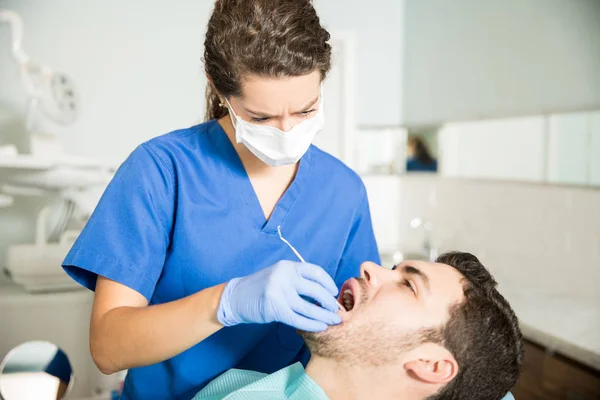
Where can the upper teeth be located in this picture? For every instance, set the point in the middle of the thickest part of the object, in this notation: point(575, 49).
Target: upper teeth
point(348, 299)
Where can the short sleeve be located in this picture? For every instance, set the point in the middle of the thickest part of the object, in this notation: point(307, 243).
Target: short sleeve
point(128, 234)
point(361, 245)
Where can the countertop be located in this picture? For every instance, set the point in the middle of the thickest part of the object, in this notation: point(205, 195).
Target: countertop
point(566, 323)
point(12, 292)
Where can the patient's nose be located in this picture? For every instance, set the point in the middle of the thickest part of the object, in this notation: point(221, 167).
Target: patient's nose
point(373, 274)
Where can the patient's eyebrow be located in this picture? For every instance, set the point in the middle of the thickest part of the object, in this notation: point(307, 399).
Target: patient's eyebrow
point(410, 270)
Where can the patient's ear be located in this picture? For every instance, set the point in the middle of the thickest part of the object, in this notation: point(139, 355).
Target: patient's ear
point(432, 364)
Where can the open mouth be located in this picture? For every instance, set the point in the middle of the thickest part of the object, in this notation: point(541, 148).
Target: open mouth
point(348, 300)
point(347, 295)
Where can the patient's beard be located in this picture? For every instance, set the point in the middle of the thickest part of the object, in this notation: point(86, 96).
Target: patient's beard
point(367, 341)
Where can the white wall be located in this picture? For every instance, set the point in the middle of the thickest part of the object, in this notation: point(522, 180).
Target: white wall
point(379, 30)
point(137, 65)
point(471, 59)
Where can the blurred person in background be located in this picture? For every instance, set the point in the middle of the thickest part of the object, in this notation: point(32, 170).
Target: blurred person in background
point(419, 158)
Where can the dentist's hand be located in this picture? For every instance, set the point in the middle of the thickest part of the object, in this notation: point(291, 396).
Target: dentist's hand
point(274, 295)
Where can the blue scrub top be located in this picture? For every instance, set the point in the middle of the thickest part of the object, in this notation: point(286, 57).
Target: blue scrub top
point(181, 215)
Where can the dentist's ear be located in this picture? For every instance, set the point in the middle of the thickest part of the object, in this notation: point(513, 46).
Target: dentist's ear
point(212, 86)
point(435, 365)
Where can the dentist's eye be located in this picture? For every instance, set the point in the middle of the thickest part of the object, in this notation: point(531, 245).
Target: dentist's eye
point(307, 113)
point(259, 120)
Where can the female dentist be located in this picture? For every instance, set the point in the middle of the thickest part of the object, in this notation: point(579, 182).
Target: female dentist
point(191, 277)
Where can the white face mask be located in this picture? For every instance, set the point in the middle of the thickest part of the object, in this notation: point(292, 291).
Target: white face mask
point(273, 146)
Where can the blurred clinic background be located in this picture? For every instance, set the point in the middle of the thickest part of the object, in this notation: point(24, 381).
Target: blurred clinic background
point(474, 124)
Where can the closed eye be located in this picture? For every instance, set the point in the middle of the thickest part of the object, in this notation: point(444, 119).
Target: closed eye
point(307, 112)
point(407, 283)
point(260, 120)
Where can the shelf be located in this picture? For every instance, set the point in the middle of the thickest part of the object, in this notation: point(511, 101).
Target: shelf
point(26, 171)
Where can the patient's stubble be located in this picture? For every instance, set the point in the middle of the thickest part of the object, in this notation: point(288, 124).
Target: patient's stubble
point(365, 339)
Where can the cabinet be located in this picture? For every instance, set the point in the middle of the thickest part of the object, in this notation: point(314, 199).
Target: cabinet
point(59, 318)
point(548, 376)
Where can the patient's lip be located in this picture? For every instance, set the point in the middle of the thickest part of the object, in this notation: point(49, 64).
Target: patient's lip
point(340, 298)
point(354, 287)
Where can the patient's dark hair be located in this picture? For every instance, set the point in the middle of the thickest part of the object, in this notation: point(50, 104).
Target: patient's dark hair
point(482, 334)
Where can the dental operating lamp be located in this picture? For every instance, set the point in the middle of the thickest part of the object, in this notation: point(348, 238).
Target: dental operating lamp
point(45, 170)
point(52, 94)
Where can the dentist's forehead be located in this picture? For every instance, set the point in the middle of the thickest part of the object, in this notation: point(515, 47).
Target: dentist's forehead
point(287, 91)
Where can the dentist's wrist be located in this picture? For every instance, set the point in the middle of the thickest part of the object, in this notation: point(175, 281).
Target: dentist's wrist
point(225, 315)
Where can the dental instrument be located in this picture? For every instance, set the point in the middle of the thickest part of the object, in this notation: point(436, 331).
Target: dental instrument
point(289, 245)
point(300, 257)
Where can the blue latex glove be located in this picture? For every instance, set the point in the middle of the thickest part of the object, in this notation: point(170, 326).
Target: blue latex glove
point(274, 295)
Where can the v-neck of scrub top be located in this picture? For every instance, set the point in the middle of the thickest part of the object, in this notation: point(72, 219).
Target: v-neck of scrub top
point(241, 182)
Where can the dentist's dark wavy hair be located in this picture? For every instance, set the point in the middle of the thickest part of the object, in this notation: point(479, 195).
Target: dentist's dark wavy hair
point(268, 38)
point(482, 334)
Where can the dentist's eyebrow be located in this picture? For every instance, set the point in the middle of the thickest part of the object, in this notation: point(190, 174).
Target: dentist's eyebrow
point(410, 270)
point(267, 115)
point(309, 105)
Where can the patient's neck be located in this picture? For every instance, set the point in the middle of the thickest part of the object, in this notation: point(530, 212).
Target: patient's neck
point(342, 381)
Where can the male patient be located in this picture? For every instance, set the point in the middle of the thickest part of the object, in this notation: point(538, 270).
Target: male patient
point(420, 331)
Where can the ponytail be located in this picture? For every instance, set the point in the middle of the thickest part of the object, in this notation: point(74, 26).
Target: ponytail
point(214, 109)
